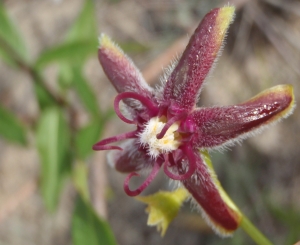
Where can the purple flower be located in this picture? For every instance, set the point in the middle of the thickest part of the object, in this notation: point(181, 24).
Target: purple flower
point(171, 131)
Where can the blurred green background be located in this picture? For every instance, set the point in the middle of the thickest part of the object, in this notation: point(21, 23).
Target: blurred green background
point(55, 103)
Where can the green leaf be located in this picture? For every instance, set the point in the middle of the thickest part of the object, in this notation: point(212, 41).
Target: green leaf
point(88, 228)
point(80, 179)
point(53, 140)
point(10, 39)
point(65, 76)
point(43, 97)
point(85, 93)
point(10, 127)
point(87, 137)
point(72, 52)
point(85, 27)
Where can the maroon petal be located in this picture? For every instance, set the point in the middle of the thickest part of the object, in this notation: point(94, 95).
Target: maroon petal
point(226, 125)
point(121, 71)
point(206, 191)
point(184, 84)
point(130, 159)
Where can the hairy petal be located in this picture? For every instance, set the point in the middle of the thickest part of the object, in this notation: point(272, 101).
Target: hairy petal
point(130, 159)
point(184, 84)
point(121, 71)
point(225, 125)
point(216, 207)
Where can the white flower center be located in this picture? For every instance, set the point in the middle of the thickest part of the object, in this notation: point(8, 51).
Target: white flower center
point(168, 143)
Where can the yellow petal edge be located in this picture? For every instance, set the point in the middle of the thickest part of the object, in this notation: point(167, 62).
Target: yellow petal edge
point(163, 207)
point(107, 44)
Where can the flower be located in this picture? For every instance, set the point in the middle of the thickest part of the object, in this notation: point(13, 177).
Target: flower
point(171, 131)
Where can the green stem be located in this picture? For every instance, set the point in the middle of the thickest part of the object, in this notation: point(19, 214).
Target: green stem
point(25, 66)
point(253, 232)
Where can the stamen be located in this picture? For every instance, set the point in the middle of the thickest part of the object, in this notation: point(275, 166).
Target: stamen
point(131, 95)
point(102, 145)
point(169, 124)
point(188, 174)
point(143, 186)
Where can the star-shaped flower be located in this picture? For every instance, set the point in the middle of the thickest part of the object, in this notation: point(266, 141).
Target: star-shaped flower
point(171, 130)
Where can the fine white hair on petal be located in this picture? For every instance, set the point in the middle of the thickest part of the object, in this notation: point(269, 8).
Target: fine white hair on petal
point(126, 111)
point(169, 69)
point(136, 104)
point(159, 89)
point(174, 184)
point(135, 157)
point(112, 156)
point(213, 66)
point(135, 81)
point(218, 230)
point(219, 53)
point(137, 72)
point(201, 180)
point(226, 145)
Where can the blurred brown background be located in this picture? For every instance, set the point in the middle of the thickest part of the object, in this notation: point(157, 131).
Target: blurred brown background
point(262, 175)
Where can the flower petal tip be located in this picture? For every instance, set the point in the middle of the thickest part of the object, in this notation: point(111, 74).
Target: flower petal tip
point(219, 229)
point(104, 40)
point(227, 12)
point(283, 95)
point(288, 91)
point(120, 70)
point(225, 229)
point(105, 43)
point(224, 18)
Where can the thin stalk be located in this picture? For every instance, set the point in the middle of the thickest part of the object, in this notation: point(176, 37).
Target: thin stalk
point(253, 232)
